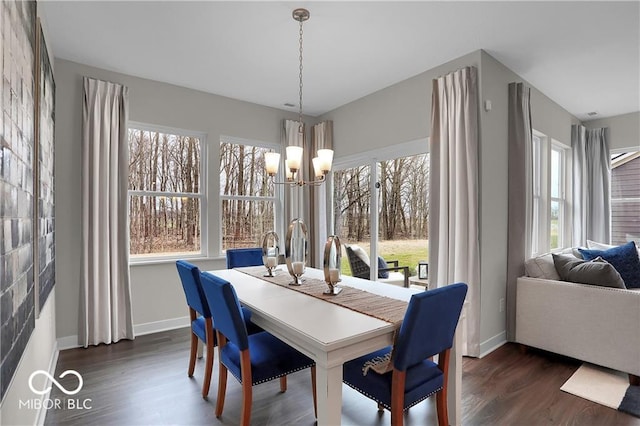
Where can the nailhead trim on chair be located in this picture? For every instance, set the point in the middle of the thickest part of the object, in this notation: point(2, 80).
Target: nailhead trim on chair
point(270, 378)
point(387, 406)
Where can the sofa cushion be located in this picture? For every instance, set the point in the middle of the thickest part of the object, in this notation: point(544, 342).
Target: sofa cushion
point(624, 258)
point(541, 267)
point(596, 271)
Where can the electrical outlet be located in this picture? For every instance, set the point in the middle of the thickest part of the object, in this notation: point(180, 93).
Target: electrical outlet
point(502, 305)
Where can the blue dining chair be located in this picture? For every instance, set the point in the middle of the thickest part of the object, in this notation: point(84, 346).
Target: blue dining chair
point(239, 257)
point(201, 320)
point(251, 359)
point(427, 330)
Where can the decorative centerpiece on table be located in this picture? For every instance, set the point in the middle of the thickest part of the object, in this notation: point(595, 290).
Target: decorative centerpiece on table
point(332, 259)
point(296, 250)
point(270, 252)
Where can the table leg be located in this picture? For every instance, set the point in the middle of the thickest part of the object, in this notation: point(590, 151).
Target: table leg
point(329, 386)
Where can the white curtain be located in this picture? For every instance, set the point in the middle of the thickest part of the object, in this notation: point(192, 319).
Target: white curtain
point(520, 194)
point(321, 138)
point(591, 185)
point(294, 201)
point(454, 254)
point(105, 294)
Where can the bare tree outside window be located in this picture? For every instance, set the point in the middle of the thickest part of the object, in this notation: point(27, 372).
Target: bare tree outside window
point(403, 213)
point(247, 197)
point(165, 193)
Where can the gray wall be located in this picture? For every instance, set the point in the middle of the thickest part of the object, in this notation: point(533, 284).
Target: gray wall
point(624, 130)
point(157, 297)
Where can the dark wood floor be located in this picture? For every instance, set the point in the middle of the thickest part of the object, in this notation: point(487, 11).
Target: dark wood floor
point(144, 382)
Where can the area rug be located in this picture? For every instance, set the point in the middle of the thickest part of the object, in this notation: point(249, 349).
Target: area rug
point(606, 387)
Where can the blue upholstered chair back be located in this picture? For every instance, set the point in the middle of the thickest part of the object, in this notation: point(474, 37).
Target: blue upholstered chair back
point(227, 315)
point(190, 278)
point(429, 324)
point(244, 257)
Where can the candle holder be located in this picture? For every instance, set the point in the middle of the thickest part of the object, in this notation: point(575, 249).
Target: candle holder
point(296, 250)
point(270, 252)
point(332, 259)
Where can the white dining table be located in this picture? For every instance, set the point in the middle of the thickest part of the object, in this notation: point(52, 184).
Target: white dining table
point(326, 332)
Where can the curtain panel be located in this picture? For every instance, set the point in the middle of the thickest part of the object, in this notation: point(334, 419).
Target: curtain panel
point(454, 250)
point(520, 190)
point(591, 185)
point(321, 138)
point(105, 294)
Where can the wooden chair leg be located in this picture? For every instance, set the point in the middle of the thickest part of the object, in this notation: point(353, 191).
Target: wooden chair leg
point(208, 370)
point(314, 391)
point(397, 396)
point(634, 380)
point(441, 396)
point(192, 355)
point(247, 388)
point(283, 384)
point(222, 378)
point(441, 408)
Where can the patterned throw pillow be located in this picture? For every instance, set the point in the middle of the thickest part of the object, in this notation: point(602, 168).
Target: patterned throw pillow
point(624, 258)
point(595, 272)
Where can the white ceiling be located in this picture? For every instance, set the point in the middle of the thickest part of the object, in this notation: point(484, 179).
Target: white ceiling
point(583, 55)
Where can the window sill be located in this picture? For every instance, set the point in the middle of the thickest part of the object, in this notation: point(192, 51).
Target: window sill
point(158, 261)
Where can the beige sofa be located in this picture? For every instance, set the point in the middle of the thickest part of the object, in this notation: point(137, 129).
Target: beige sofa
point(600, 325)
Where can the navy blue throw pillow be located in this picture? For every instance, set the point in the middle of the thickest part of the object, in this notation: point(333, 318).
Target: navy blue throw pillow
point(624, 258)
point(382, 264)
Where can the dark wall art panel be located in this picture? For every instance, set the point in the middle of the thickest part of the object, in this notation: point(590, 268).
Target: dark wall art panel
point(45, 207)
point(17, 300)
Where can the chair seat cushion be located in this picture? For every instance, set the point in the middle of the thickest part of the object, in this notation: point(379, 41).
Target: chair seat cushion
point(198, 326)
point(422, 381)
point(270, 358)
point(395, 278)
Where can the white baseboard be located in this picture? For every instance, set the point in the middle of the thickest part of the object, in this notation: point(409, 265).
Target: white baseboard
point(70, 342)
point(493, 343)
point(42, 412)
point(67, 342)
point(158, 326)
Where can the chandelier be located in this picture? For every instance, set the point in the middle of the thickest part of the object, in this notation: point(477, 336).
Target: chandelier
point(322, 162)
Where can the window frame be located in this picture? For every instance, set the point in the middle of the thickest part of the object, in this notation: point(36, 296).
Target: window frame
point(371, 158)
point(201, 196)
point(278, 195)
point(541, 199)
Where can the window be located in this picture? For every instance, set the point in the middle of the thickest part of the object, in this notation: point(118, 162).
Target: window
point(391, 222)
point(550, 229)
point(166, 187)
point(625, 197)
point(250, 202)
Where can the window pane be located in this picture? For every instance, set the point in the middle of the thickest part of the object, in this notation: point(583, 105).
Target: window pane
point(625, 197)
point(242, 171)
point(245, 222)
point(555, 239)
point(351, 209)
point(163, 162)
point(164, 225)
point(404, 210)
point(556, 173)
